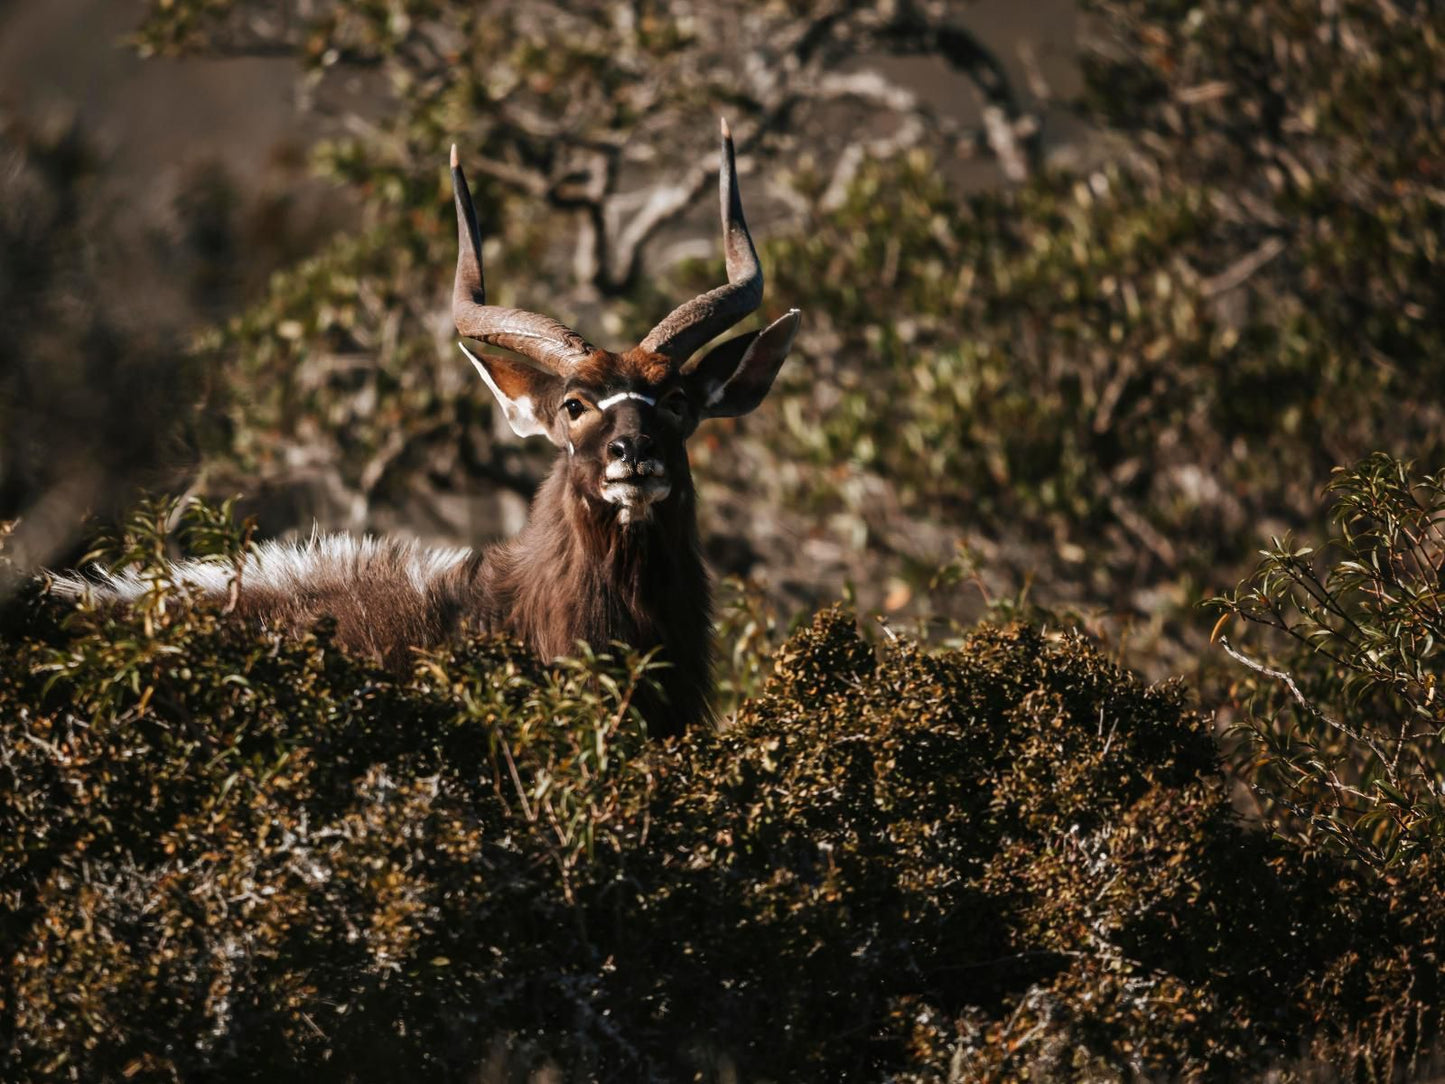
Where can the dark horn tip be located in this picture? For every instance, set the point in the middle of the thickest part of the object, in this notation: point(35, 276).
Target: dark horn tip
point(456, 160)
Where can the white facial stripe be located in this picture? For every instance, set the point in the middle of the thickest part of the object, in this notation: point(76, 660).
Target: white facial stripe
point(613, 400)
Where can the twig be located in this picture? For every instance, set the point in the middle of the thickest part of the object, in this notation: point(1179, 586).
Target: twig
point(1239, 272)
point(1318, 713)
point(517, 782)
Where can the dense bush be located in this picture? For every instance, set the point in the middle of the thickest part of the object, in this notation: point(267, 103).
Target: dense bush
point(229, 856)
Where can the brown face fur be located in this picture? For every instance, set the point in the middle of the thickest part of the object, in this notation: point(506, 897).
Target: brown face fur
point(622, 419)
point(624, 424)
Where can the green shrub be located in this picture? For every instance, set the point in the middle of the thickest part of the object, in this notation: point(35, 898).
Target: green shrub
point(1345, 733)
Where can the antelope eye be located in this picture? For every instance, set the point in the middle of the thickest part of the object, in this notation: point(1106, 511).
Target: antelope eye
point(676, 403)
point(574, 408)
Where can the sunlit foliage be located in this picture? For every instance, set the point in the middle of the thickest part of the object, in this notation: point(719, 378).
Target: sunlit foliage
point(1345, 729)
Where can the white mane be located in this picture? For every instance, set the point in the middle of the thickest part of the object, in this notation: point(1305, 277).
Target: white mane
point(284, 567)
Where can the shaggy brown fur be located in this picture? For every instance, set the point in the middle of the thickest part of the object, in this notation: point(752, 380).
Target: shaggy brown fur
point(573, 575)
point(576, 575)
point(380, 613)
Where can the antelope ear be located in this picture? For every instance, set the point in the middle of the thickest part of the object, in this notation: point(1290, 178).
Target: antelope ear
point(526, 394)
point(733, 377)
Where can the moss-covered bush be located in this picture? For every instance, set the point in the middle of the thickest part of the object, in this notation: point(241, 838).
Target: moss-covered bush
point(229, 856)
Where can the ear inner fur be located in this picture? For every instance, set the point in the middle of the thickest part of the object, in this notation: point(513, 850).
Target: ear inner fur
point(732, 387)
point(520, 390)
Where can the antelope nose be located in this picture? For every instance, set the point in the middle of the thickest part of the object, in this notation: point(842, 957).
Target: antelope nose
point(630, 448)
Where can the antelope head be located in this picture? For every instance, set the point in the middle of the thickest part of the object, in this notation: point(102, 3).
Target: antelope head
point(624, 418)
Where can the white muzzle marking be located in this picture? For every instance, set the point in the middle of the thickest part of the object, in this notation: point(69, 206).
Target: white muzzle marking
point(633, 487)
point(634, 500)
point(619, 470)
point(634, 493)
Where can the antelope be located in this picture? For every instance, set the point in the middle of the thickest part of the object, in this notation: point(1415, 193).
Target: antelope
point(610, 551)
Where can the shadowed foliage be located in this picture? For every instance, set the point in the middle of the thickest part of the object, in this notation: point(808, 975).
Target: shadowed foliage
point(94, 397)
point(224, 854)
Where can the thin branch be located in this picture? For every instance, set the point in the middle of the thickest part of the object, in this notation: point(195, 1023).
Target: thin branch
point(1304, 702)
point(1323, 824)
point(1239, 272)
point(662, 207)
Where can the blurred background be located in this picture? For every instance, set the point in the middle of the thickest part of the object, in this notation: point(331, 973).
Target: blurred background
point(1096, 294)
